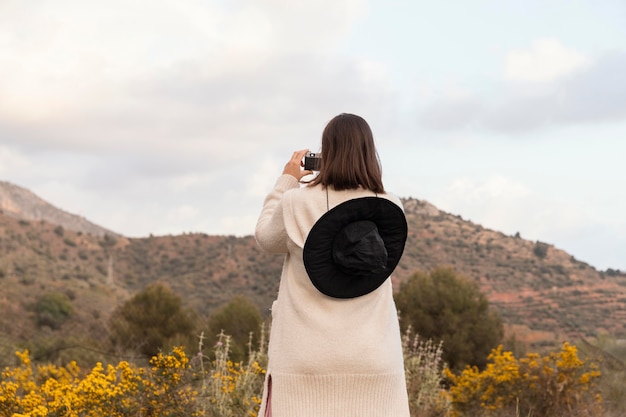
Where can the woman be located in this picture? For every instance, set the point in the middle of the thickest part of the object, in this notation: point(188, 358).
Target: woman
point(335, 346)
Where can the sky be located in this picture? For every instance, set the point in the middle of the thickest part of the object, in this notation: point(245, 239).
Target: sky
point(169, 117)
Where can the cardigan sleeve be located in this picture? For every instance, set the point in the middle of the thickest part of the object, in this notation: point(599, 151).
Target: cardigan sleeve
point(270, 230)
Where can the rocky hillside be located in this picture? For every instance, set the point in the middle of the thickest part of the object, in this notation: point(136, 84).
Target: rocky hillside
point(544, 295)
point(22, 204)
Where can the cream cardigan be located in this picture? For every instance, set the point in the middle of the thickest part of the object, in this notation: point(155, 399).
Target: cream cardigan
point(327, 357)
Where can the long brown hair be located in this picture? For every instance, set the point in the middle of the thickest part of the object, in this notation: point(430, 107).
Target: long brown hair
point(349, 157)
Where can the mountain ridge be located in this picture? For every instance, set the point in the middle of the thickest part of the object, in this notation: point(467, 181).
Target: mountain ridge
point(23, 204)
point(543, 294)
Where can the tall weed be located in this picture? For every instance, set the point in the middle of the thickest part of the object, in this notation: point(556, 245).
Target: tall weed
point(232, 389)
point(424, 376)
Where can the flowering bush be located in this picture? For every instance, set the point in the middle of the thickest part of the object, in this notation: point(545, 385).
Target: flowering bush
point(171, 386)
point(122, 390)
point(559, 384)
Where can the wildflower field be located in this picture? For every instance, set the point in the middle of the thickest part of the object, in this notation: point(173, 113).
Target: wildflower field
point(558, 384)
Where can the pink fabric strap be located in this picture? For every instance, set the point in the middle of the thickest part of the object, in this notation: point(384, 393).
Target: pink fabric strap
point(268, 405)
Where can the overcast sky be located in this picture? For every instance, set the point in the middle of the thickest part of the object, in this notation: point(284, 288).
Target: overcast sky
point(164, 117)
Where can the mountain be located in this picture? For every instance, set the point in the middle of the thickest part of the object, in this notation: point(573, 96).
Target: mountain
point(22, 204)
point(543, 294)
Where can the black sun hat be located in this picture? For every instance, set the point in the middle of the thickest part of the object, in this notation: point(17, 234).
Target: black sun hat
point(354, 247)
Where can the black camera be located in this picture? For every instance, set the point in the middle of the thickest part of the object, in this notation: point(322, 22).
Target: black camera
point(312, 161)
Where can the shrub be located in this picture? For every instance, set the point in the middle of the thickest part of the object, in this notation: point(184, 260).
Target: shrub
point(69, 242)
point(557, 385)
point(151, 321)
point(163, 389)
point(447, 307)
point(238, 318)
point(540, 250)
point(108, 241)
point(52, 309)
point(172, 385)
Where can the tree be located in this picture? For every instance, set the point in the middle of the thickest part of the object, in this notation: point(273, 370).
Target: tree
point(152, 320)
point(541, 249)
point(238, 318)
point(52, 309)
point(443, 306)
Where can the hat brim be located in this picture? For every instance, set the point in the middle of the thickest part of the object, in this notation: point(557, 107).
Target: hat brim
point(325, 274)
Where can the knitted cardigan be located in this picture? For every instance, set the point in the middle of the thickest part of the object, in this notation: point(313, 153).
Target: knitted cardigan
point(328, 357)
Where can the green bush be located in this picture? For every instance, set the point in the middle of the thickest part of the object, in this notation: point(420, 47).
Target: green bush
point(444, 306)
point(239, 318)
point(540, 250)
point(52, 309)
point(69, 242)
point(151, 321)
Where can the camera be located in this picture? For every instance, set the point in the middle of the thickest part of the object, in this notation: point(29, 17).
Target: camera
point(312, 161)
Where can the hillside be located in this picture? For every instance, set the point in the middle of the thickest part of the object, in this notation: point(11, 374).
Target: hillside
point(22, 204)
point(543, 294)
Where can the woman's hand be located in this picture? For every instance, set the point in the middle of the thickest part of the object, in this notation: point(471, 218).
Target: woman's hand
point(295, 164)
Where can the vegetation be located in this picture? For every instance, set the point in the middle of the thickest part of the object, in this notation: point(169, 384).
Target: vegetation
point(232, 389)
point(163, 389)
point(52, 309)
point(152, 320)
point(424, 377)
point(450, 308)
point(569, 297)
point(239, 318)
point(171, 385)
point(560, 384)
point(541, 249)
point(60, 289)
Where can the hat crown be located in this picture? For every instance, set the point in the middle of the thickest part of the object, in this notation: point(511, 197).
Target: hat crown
point(358, 247)
point(355, 246)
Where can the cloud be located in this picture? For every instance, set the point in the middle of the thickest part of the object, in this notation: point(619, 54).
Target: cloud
point(507, 205)
point(262, 177)
point(11, 161)
point(564, 89)
point(237, 225)
point(94, 76)
point(546, 60)
point(450, 113)
point(597, 94)
point(145, 99)
point(189, 80)
point(183, 113)
point(503, 204)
